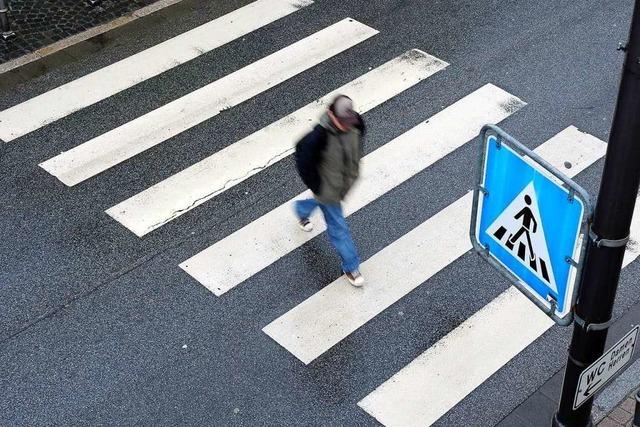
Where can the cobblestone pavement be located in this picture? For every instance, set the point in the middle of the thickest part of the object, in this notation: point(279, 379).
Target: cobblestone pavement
point(622, 415)
point(38, 23)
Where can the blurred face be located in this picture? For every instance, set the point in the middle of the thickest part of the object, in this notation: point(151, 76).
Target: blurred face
point(341, 126)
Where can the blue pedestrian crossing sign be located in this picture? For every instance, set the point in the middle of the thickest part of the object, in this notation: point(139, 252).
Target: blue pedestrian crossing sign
point(531, 222)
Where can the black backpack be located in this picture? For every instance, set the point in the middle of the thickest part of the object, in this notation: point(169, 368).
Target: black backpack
point(308, 155)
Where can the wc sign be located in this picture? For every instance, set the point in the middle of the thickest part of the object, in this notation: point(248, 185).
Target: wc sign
point(530, 221)
point(602, 370)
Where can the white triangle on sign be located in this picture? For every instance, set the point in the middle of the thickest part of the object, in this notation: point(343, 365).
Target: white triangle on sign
point(519, 230)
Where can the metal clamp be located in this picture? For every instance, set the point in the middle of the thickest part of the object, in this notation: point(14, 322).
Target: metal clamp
point(571, 261)
point(607, 243)
point(591, 326)
point(576, 362)
point(498, 141)
point(483, 190)
point(553, 304)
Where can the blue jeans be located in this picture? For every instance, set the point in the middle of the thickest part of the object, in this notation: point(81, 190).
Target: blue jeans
point(337, 229)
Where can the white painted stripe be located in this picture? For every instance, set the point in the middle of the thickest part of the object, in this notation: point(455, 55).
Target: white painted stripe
point(124, 142)
point(442, 376)
point(447, 372)
point(240, 255)
point(188, 189)
point(632, 251)
point(437, 380)
point(329, 316)
point(101, 84)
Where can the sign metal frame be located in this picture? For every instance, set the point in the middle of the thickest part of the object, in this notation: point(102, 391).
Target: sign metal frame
point(567, 184)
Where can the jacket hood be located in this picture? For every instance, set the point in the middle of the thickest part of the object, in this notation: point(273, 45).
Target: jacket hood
point(326, 123)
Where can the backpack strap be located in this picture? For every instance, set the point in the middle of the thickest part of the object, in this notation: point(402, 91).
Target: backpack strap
point(363, 130)
point(318, 138)
point(360, 125)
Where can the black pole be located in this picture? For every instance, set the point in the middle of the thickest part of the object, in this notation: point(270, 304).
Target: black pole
point(5, 28)
point(605, 252)
point(636, 416)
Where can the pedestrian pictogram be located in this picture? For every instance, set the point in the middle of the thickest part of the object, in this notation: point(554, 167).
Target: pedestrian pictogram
point(519, 230)
point(530, 222)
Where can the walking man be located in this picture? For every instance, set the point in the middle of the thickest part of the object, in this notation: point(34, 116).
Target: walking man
point(328, 160)
point(529, 225)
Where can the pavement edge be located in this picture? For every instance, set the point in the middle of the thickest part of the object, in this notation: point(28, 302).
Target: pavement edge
point(47, 51)
point(539, 408)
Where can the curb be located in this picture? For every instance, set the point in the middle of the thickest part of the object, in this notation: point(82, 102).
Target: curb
point(540, 407)
point(85, 35)
point(623, 414)
point(613, 397)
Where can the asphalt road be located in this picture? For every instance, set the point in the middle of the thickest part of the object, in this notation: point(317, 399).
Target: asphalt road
point(98, 326)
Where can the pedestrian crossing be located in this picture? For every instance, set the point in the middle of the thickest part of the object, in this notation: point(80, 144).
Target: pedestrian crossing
point(436, 381)
point(188, 189)
point(491, 337)
point(237, 257)
point(320, 322)
point(107, 150)
point(445, 373)
point(41, 110)
point(536, 264)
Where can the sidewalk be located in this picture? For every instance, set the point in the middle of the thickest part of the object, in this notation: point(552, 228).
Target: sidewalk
point(622, 415)
point(40, 23)
point(611, 407)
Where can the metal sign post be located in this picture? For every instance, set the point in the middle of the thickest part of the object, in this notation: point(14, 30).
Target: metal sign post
point(610, 233)
point(5, 28)
point(531, 222)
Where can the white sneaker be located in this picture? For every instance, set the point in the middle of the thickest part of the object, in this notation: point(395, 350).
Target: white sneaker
point(355, 278)
point(305, 224)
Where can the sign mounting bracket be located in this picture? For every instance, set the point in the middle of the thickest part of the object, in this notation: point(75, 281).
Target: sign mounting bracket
point(591, 326)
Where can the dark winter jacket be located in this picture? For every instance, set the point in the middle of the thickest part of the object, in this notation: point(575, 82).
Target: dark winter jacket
point(328, 160)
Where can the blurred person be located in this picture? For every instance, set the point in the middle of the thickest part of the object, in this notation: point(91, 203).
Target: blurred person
point(328, 161)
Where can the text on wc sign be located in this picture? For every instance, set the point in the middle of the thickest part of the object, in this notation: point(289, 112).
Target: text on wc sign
point(602, 370)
